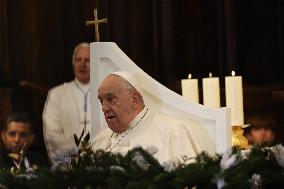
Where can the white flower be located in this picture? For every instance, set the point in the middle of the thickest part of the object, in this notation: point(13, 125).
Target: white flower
point(30, 170)
point(245, 154)
point(141, 162)
point(219, 181)
point(152, 150)
point(63, 158)
point(117, 168)
point(228, 160)
point(278, 151)
point(169, 166)
point(82, 154)
point(27, 176)
point(255, 181)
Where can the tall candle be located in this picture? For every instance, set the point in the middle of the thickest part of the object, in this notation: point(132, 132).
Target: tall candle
point(234, 98)
point(190, 89)
point(211, 91)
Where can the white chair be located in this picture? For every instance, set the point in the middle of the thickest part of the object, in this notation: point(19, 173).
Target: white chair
point(107, 57)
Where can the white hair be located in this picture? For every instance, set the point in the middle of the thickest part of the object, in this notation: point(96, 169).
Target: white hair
point(84, 45)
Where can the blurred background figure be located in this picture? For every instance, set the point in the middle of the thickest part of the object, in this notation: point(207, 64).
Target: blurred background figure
point(67, 109)
point(261, 130)
point(16, 138)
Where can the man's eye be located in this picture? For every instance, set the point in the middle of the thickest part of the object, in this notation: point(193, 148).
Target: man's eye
point(12, 134)
point(23, 135)
point(87, 61)
point(108, 100)
point(78, 60)
point(111, 100)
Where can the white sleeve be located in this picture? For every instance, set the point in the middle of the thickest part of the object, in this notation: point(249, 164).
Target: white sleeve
point(52, 128)
point(181, 144)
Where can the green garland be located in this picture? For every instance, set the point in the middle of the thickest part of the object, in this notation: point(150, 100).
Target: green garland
point(258, 168)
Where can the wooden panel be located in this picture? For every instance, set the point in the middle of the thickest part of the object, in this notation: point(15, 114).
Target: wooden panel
point(34, 34)
point(5, 104)
point(3, 43)
point(260, 41)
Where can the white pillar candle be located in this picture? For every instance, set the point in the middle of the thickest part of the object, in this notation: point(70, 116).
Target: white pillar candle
point(211, 91)
point(234, 98)
point(190, 89)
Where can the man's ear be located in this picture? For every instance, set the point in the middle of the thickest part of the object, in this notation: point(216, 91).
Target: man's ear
point(136, 100)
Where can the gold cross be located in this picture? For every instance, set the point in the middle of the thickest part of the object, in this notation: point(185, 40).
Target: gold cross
point(96, 22)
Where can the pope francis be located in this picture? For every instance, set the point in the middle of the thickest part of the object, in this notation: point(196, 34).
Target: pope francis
point(132, 123)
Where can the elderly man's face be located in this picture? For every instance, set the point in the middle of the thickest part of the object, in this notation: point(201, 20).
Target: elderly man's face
point(81, 64)
point(16, 136)
point(117, 103)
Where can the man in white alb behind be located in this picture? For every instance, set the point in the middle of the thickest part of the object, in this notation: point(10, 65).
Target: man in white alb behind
point(67, 109)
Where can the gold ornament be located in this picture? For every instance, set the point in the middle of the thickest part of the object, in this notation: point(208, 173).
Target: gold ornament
point(238, 139)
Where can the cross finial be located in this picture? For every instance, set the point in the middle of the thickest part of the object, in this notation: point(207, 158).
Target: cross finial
point(96, 22)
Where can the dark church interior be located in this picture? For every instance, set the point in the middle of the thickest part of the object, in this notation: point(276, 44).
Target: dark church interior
point(167, 39)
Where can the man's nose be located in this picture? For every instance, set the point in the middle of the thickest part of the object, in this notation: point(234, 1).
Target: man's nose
point(105, 107)
point(17, 138)
point(84, 62)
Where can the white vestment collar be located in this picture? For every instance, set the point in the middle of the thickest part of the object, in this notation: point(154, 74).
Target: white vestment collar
point(138, 118)
point(122, 139)
point(82, 86)
point(135, 122)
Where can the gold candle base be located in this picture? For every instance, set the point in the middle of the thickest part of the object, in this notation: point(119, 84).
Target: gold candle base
point(238, 139)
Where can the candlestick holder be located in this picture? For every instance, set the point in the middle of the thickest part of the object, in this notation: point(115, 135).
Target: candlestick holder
point(238, 139)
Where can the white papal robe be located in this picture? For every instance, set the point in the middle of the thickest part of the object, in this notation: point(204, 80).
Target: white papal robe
point(172, 139)
point(64, 116)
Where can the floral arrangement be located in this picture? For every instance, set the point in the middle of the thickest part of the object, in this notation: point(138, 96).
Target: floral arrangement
point(257, 168)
